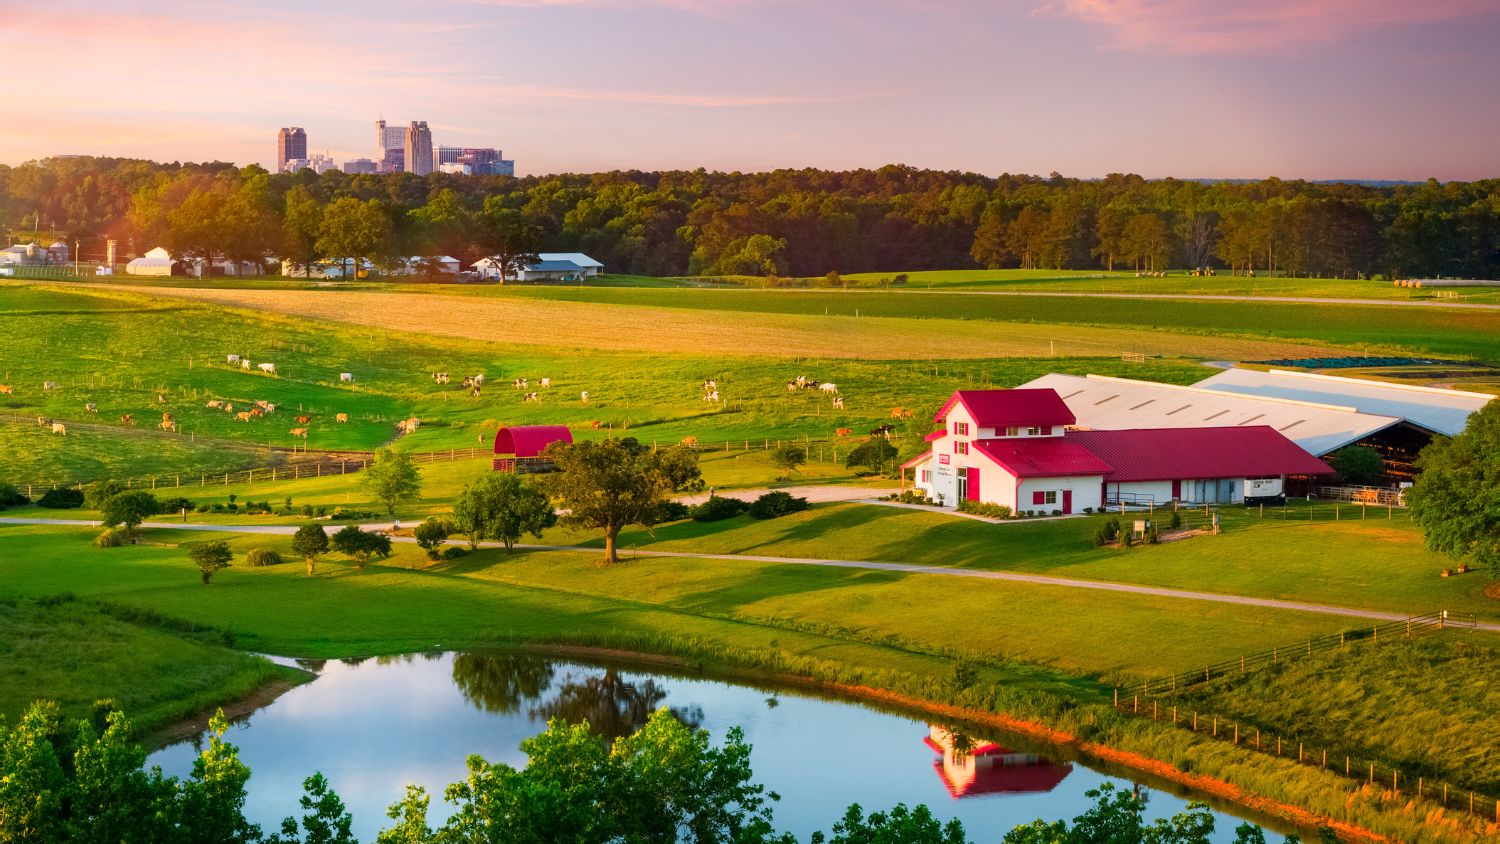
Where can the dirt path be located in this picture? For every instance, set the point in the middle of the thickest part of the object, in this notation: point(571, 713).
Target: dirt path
point(905, 568)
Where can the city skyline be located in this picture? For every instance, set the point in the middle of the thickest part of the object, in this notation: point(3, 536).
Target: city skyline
point(1343, 89)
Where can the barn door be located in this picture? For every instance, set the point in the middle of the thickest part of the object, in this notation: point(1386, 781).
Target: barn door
point(973, 491)
point(1067, 502)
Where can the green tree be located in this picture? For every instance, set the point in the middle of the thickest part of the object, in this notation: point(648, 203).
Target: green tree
point(210, 557)
point(98, 493)
point(360, 545)
point(354, 230)
point(1456, 498)
point(875, 455)
point(301, 227)
point(308, 542)
point(787, 458)
point(431, 534)
point(128, 509)
point(393, 479)
point(326, 820)
point(1358, 464)
point(900, 824)
point(501, 506)
point(613, 483)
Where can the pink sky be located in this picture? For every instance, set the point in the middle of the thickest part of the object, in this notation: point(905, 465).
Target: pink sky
point(1373, 89)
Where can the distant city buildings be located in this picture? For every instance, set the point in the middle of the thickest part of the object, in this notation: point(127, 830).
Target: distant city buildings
point(398, 149)
point(291, 145)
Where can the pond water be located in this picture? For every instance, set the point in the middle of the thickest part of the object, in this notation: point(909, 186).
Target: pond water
point(373, 726)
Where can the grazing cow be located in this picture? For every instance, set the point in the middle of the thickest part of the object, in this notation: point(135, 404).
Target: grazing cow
point(842, 432)
point(714, 396)
point(584, 396)
point(234, 358)
point(216, 404)
point(168, 425)
point(43, 421)
point(243, 416)
point(127, 419)
point(244, 363)
point(829, 388)
point(228, 407)
point(299, 432)
point(883, 431)
point(546, 383)
point(900, 413)
point(838, 402)
point(531, 397)
point(166, 416)
point(801, 380)
point(257, 412)
point(440, 377)
point(269, 407)
point(791, 386)
point(90, 407)
point(690, 441)
point(49, 386)
point(341, 417)
point(518, 384)
point(709, 385)
point(59, 428)
point(268, 368)
point(7, 389)
point(303, 420)
point(474, 393)
point(261, 403)
point(479, 380)
point(346, 377)
point(594, 424)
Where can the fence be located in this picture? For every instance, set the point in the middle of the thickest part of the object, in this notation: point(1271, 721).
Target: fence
point(1361, 495)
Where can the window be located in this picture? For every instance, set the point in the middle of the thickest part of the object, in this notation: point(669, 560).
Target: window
point(1044, 496)
point(960, 447)
point(926, 476)
point(961, 428)
point(1034, 431)
point(1012, 431)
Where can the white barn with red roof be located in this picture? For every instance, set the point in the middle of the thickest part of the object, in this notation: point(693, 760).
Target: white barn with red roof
point(1016, 448)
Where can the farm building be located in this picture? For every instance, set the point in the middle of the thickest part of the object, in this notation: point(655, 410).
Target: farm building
point(518, 448)
point(551, 266)
point(1322, 414)
point(984, 767)
point(335, 269)
point(156, 262)
point(159, 262)
point(429, 265)
point(1019, 449)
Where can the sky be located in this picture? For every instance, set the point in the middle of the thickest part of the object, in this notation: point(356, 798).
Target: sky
point(1315, 89)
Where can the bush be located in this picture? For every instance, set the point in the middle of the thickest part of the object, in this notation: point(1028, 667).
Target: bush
point(984, 508)
point(774, 505)
point(11, 497)
point(453, 552)
point(101, 492)
point(175, 505)
point(346, 513)
point(1176, 523)
point(61, 499)
point(673, 511)
point(717, 509)
point(263, 557)
point(110, 538)
point(431, 534)
point(913, 496)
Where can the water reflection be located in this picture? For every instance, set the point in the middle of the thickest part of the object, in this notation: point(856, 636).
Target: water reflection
point(499, 683)
point(969, 766)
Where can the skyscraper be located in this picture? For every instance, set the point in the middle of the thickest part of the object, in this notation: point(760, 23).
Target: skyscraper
point(390, 146)
point(418, 148)
point(291, 144)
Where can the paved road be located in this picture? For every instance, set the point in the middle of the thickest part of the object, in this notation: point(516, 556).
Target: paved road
point(907, 568)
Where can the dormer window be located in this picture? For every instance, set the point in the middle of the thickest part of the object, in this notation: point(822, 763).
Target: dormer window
point(1012, 431)
point(961, 429)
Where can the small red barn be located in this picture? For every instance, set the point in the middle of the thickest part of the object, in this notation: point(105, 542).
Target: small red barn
point(518, 448)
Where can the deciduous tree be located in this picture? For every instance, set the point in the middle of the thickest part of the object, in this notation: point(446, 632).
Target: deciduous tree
point(613, 483)
point(392, 479)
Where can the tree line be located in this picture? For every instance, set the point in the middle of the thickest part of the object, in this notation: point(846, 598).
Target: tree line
point(784, 222)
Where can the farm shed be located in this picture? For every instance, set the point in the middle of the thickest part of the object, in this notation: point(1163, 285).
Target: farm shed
point(518, 448)
point(156, 262)
point(985, 767)
point(1018, 449)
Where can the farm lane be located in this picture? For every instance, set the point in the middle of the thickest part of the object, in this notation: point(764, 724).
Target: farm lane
point(905, 568)
point(1190, 297)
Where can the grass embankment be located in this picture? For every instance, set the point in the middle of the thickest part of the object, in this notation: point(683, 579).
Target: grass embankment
point(1040, 649)
point(157, 670)
point(1429, 707)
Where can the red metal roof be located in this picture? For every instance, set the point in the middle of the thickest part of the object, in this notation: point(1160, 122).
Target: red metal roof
point(529, 440)
point(1163, 454)
point(1004, 408)
point(1042, 457)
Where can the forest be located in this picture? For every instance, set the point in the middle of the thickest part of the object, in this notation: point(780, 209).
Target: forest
point(794, 223)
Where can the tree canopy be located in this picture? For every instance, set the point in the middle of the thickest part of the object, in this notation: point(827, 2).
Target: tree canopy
point(501, 506)
point(393, 479)
point(1456, 497)
point(612, 483)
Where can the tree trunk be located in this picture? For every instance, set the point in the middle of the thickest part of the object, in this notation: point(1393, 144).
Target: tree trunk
point(611, 555)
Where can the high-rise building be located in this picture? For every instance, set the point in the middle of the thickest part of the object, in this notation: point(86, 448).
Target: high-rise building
point(445, 155)
point(321, 163)
point(361, 165)
point(418, 148)
point(291, 144)
point(390, 147)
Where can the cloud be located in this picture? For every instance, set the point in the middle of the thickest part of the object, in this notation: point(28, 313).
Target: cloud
point(547, 92)
point(1233, 26)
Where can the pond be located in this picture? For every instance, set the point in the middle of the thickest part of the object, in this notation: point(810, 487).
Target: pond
point(373, 726)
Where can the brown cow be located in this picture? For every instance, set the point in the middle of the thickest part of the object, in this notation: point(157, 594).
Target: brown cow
point(595, 424)
point(303, 420)
point(900, 413)
point(168, 425)
point(341, 417)
point(127, 419)
point(243, 416)
point(843, 432)
point(166, 417)
point(7, 389)
point(690, 441)
point(299, 432)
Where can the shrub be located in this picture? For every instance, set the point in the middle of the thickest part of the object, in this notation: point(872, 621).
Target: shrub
point(673, 511)
point(717, 509)
point(346, 513)
point(110, 538)
point(453, 552)
point(101, 492)
point(431, 534)
point(307, 510)
point(913, 496)
point(984, 508)
point(175, 505)
point(1176, 522)
point(774, 505)
point(263, 557)
point(11, 497)
point(210, 556)
point(61, 499)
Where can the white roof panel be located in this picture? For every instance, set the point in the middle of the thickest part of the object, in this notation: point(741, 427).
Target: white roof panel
point(1121, 404)
point(578, 258)
point(1438, 410)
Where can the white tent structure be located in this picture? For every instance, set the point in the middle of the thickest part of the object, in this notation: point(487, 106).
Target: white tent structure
point(157, 262)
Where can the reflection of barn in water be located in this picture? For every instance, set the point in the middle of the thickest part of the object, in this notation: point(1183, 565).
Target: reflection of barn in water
point(518, 448)
point(970, 767)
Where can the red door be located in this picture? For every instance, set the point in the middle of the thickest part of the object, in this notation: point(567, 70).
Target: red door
point(1067, 502)
point(973, 483)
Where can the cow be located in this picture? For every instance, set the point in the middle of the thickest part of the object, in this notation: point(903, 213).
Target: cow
point(584, 396)
point(883, 431)
point(299, 432)
point(59, 428)
point(595, 424)
point(7, 389)
point(244, 363)
point(475, 391)
point(800, 381)
point(518, 384)
point(242, 416)
point(346, 378)
point(166, 416)
point(90, 407)
point(690, 441)
point(228, 407)
point(842, 432)
point(43, 421)
point(479, 380)
point(168, 425)
point(341, 417)
point(546, 383)
point(267, 368)
point(709, 385)
point(257, 412)
point(408, 425)
point(531, 397)
point(714, 396)
point(127, 419)
point(233, 359)
point(303, 420)
point(791, 386)
point(161, 398)
point(900, 413)
point(440, 377)
point(216, 404)
point(830, 388)
point(261, 403)
point(49, 386)
point(269, 407)
point(838, 402)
